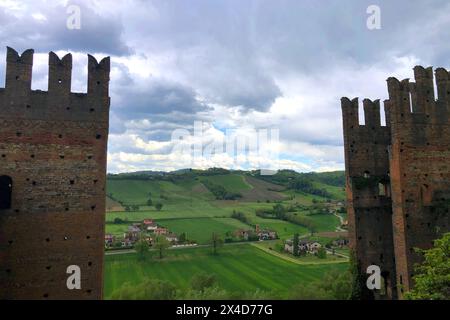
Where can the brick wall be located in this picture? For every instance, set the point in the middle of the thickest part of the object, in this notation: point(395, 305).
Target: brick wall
point(411, 155)
point(53, 146)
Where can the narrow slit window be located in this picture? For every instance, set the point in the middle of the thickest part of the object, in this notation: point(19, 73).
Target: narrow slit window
point(5, 192)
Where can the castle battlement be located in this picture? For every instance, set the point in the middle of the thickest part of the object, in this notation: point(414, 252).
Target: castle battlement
point(372, 120)
point(58, 103)
point(415, 102)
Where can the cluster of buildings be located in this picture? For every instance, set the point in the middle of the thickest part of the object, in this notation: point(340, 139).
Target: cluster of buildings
point(147, 230)
point(257, 234)
point(304, 246)
point(312, 247)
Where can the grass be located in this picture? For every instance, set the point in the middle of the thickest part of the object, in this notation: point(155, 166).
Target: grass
point(231, 182)
point(239, 268)
point(284, 229)
point(200, 229)
point(324, 222)
point(137, 192)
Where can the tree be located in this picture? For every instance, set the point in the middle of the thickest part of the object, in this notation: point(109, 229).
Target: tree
point(279, 211)
point(118, 221)
point(359, 289)
point(432, 278)
point(161, 244)
point(150, 289)
point(203, 280)
point(216, 242)
point(158, 206)
point(295, 244)
point(149, 202)
point(312, 229)
point(335, 285)
point(141, 248)
point(322, 253)
point(182, 238)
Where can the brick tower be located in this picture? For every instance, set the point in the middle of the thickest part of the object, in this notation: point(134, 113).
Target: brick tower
point(398, 176)
point(52, 180)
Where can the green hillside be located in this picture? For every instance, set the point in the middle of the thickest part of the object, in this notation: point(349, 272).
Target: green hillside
point(190, 203)
point(231, 182)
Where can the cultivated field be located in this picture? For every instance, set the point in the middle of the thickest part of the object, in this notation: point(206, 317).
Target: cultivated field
point(239, 268)
point(190, 208)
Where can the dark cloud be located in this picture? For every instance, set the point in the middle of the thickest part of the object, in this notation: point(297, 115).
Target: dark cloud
point(98, 33)
point(150, 97)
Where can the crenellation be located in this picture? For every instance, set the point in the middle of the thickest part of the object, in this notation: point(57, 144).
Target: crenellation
point(350, 113)
point(59, 75)
point(399, 95)
point(98, 77)
point(423, 91)
point(443, 86)
point(372, 113)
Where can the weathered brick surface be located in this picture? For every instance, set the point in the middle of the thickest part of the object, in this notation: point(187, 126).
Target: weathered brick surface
point(415, 160)
point(53, 146)
point(367, 165)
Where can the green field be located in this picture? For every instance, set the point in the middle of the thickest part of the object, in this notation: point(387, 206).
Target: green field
point(324, 222)
point(139, 191)
point(200, 229)
point(231, 182)
point(239, 268)
point(284, 229)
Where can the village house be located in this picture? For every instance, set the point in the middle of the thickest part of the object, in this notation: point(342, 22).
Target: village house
point(340, 243)
point(172, 237)
point(109, 240)
point(288, 246)
point(149, 225)
point(256, 234)
point(303, 246)
point(161, 231)
point(126, 243)
point(132, 234)
point(148, 222)
point(149, 240)
point(267, 235)
point(311, 247)
point(242, 234)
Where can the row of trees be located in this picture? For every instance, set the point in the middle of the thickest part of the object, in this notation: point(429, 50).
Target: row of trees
point(161, 244)
point(158, 206)
point(240, 216)
point(220, 192)
point(281, 212)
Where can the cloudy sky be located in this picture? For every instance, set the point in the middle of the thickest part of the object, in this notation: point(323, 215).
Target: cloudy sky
point(234, 67)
